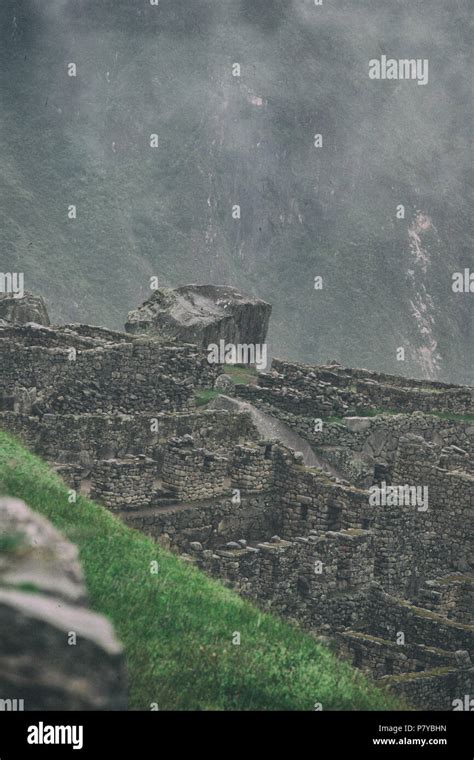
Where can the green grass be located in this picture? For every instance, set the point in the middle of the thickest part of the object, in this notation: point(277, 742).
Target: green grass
point(455, 417)
point(204, 396)
point(10, 542)
point(177, 626)
point(242, 374)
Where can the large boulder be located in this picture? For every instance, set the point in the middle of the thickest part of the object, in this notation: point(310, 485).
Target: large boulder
point(202, 314)
point(29, 308)
point(55, 654)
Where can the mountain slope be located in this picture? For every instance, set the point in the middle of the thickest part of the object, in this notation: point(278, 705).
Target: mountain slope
point(247, 140)
point(176, 625)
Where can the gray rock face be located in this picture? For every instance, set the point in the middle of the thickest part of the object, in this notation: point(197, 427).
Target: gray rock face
point(202, 314)
point(357, 424)
point(30, 308)
point(35, 553)
point(55, 654)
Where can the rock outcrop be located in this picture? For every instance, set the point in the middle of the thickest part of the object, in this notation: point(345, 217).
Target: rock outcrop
point(55, 654)
point(29, 308)
point(202, 314)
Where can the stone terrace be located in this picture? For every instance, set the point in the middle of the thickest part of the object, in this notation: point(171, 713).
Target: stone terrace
point(333, 390)
point(391, 586)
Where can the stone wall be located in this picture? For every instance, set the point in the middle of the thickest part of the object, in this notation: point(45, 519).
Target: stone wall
point(69, 438)
point(451, 596)
point(410, 545)
point(311, 579)
point(452, 400)
point(342, 377)
point(49, 337)
point(123, 483)
point(327, 391)
point(210, 523)
point(437, 688)
point(122, 377)
point(192, 474)
point(364, 448)
point(450, 504)
point(319, 401)
point(378, 437)
point(379, 657)
point(391, 615)
point(311, 500)
point(118, 420)
point(380, 390)
point(252, 468)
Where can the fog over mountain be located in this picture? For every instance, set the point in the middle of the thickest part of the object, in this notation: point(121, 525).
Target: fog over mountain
point(247, 140)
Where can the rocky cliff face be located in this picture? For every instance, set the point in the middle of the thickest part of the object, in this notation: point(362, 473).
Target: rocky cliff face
point(202, 314)
point(55, 653)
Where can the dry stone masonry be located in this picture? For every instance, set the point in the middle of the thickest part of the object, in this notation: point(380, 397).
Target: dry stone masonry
point(252, 469)
point(334, 390)
point(192, 474)
point(123, 483)
point(389, 583)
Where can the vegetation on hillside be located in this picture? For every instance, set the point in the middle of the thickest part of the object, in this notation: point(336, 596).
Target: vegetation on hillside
point(177, 625)
point(248, 140)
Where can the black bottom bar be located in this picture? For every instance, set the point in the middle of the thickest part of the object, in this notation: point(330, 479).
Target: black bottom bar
point(318, 734)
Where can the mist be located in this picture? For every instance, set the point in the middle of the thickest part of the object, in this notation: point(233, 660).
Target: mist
point(247, 140)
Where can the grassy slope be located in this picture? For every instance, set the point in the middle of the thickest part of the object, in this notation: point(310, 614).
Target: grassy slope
point(177, 625)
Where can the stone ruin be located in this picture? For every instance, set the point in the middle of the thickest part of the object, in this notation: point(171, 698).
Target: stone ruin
point(123, 483)
point(190, 473)
point(389, 587)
